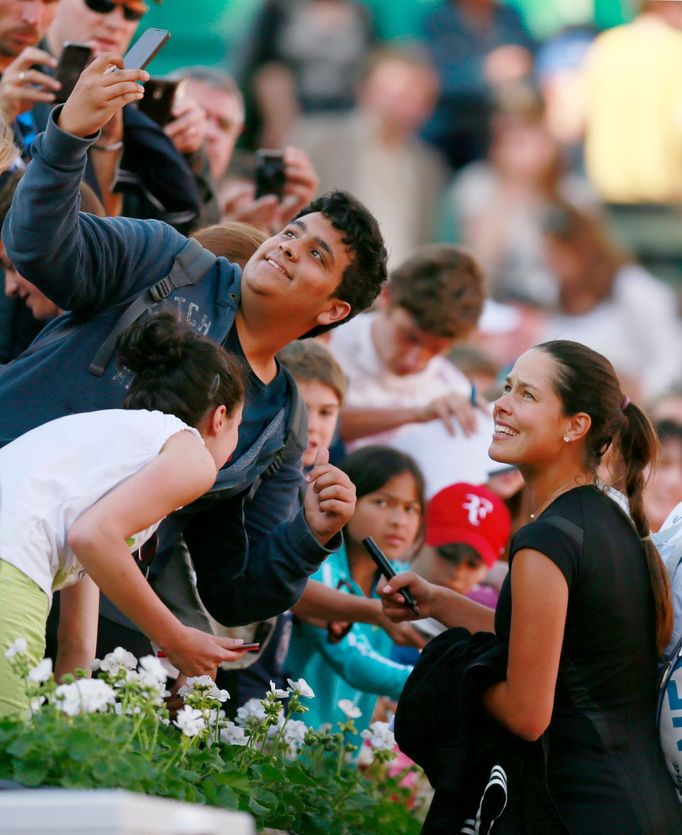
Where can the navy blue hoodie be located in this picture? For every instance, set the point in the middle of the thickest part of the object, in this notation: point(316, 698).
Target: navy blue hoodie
point(251, 560)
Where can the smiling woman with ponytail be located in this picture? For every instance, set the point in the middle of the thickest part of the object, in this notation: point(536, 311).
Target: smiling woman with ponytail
point(585, 611)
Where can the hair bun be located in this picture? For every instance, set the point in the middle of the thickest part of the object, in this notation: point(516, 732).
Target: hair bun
point(153, 345)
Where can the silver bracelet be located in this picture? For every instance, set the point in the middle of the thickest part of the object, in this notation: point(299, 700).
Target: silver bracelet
point(113, 146)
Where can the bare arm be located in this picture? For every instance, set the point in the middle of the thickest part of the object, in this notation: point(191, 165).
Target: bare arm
point(446, 606)
point(77, 631)
point(452, 408)
point(182, 472)
point(523, 703)
point(359, 423)
point(321, 603)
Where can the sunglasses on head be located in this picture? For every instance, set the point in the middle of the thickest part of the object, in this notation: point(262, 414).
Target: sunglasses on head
point(108, 6)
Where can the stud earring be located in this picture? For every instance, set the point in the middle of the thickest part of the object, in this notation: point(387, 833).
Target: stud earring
point(566, 439)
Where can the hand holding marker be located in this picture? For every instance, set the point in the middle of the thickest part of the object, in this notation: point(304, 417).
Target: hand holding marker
point(388, 571)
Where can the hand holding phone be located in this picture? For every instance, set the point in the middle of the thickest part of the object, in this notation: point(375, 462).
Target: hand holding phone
point(387, 570)
point(270, 174)
point(99, 94)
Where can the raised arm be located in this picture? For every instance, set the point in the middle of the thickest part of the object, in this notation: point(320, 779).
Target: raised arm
point(80, 261)
point(250, 564)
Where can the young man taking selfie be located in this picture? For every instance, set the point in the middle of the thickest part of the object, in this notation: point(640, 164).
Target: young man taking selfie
point(251, 561)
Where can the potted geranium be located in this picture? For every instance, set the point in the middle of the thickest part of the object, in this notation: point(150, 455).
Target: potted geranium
point(114, 731)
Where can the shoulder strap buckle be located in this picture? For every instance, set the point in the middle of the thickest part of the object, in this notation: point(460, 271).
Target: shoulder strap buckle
point(161, 290)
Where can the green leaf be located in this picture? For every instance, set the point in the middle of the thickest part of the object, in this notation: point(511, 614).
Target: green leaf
point(258, 810)
point(30, 772)
point(222, 796)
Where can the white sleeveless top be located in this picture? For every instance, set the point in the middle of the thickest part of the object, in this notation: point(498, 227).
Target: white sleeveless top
point(52, 474)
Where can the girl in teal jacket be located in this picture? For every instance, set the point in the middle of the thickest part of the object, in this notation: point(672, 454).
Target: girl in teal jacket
point(356, 667)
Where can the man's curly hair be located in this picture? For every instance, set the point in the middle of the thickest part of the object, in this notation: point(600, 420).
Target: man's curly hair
point(364, 276)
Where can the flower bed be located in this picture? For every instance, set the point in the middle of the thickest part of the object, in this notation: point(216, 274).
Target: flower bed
point(115, 732)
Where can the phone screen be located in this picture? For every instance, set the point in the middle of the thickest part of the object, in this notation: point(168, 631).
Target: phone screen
point(145, 48)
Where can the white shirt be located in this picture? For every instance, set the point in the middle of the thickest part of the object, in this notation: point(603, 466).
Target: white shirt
point(372, 385)
point(51, 475)
point(443, 458)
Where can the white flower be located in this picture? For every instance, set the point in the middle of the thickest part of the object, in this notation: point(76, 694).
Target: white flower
point(19, 647)
point(301, 688)
point(350, 709)
point(250, 713)
point(295, 732)
point(37, 703)
point(190, 721)
point(380, 736)
point(42, 672)
point(232, 734)
point(151, 671)
point(195, 682)
point(277, 693)
point(201, 683)
point(131, 676)
point(119, 659)
point(87, 695)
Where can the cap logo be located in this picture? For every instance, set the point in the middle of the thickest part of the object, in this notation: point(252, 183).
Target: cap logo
point(477, 508)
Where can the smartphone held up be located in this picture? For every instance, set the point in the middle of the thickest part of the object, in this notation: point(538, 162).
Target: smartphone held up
point(74, 59)
point(160, 95)
point(270, 174)
point(145, 48)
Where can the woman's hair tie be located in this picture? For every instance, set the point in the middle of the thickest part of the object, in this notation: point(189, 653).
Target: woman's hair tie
point(626, 402)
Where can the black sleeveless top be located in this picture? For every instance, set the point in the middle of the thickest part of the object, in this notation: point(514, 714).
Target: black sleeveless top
point(605, 769)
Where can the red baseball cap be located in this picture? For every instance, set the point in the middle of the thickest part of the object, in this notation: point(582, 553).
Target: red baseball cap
point(472, 515)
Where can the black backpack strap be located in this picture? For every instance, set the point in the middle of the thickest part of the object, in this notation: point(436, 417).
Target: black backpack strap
point(190, 265)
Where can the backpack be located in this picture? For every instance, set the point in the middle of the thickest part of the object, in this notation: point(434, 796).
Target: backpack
point(191, 264)
point(669, 709)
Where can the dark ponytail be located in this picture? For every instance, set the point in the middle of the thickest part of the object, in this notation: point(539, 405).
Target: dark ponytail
point(178, 371)
point(586, 382)
point(639, 449)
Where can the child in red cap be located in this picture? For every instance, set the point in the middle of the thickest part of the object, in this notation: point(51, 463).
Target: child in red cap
point(467, 530)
